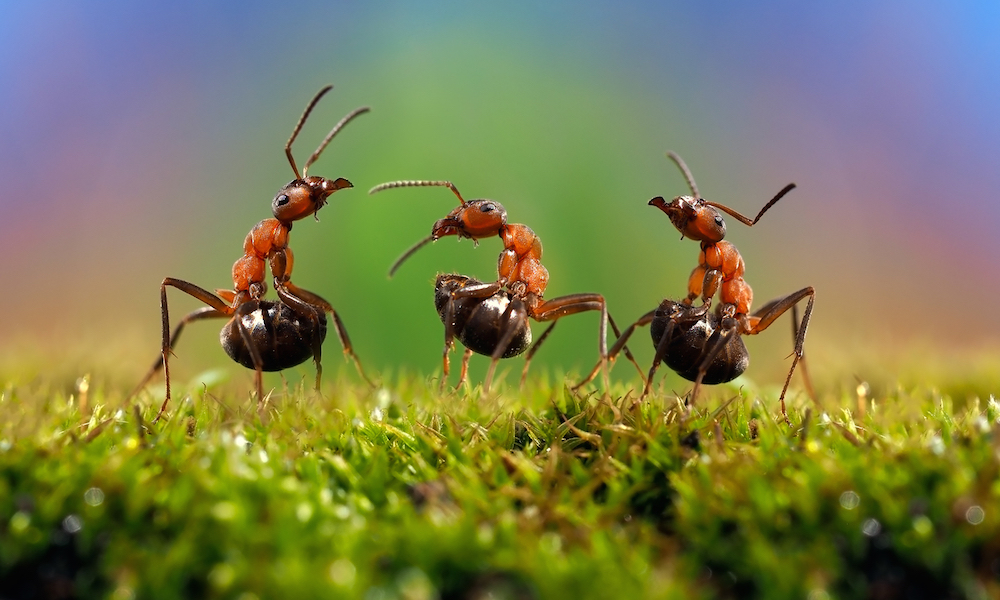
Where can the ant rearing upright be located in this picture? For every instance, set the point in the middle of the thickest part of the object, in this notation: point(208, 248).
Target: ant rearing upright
point(702, 346)
point(491, 318)
point(261, 334)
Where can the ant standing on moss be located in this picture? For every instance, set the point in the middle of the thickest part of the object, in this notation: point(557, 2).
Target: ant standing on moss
point(702, 346)
point(491, 318)
point(261, 334)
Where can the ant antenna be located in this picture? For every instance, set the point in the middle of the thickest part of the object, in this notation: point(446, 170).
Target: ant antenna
point(326, 140)
point(298, 127)
point(684, 171)
point(742, 219)
point(746, 220)
point(418, 183)
point(336, 128)
point(413, 249)
point(778, 196)
point(415, 183)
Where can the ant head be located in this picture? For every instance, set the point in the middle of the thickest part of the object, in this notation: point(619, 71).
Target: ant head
point(304, 197)
point(700, 219)
point(475, 219)
point(693, 217)
point(307, 194)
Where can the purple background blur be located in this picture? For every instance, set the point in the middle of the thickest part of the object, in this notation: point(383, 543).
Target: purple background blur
point(140, 140)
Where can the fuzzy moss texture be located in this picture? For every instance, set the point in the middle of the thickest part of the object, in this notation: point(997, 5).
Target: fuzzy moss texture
point(406, 492)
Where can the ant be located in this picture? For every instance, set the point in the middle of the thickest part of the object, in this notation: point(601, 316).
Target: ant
point(265, 335)
point(702, 346)
point(491, 318)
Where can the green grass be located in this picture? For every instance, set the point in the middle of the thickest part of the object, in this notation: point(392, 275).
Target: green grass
point(408, 493)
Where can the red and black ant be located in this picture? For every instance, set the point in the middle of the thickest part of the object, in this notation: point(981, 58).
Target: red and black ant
point(702, 346)
point(261, 334)
point(492, 318)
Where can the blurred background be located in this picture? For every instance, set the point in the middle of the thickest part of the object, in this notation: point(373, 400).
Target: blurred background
point(143, 140)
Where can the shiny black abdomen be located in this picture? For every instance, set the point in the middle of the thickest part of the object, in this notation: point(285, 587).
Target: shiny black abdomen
point(692, 336)
point(479, 323)
point(283, 337)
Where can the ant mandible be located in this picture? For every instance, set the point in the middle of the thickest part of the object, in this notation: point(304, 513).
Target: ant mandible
point(261, 334)
point(491, 318)
point(702, 346)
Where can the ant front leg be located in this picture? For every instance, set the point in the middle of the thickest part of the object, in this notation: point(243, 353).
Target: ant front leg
point(717, 343)
point(514, 317)
point(217, 307)
point(242, 310)
point(306, 303)
point(767, 314)
point(480, 290)
point(679, 317)
point(661, 350)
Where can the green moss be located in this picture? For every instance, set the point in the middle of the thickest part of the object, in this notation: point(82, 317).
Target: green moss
point(406, 492)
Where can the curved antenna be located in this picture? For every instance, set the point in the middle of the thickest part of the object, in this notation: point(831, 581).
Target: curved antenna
point(298, 127)
point(413, 249)
point(732, 213)
point(415, 183)
point(418, 183)
point(778, 196)
point(685, 171)
point(340, 125)
point(746, 220)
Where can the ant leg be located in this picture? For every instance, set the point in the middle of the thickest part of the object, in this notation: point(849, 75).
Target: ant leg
point(480, 290)
point(465, 368)
point(685, 315)
point(767, 314)
point(556, 308)
point(802, 361)
point(258, 362)
point(623, 347)
point(449, 340)
point(661, 351)
point(533, 349)
point(716, 344)
point(623, 338)
point(628, 353)
point(206, 312)
point(213, 301)
point(309, 310)
point(512, 318)
point(287, 291)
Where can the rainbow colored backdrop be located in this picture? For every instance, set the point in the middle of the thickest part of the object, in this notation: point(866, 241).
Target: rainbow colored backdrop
point(141, 141)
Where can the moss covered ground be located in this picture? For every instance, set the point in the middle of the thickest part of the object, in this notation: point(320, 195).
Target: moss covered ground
point(409, 492)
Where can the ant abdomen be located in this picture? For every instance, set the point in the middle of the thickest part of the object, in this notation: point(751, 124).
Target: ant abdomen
point(693, 334)
point(479, 323)
point(283, 337)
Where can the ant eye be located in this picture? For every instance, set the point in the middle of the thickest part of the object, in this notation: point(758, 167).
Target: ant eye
point(719, 221)
point(487, 208)
point(281, 200)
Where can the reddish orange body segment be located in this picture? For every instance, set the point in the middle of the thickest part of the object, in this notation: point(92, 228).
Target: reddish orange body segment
point(521, 282)
point(295, 325)
point(704, 347)
point(521, 260)
point(722, 258)
point(267, 241)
